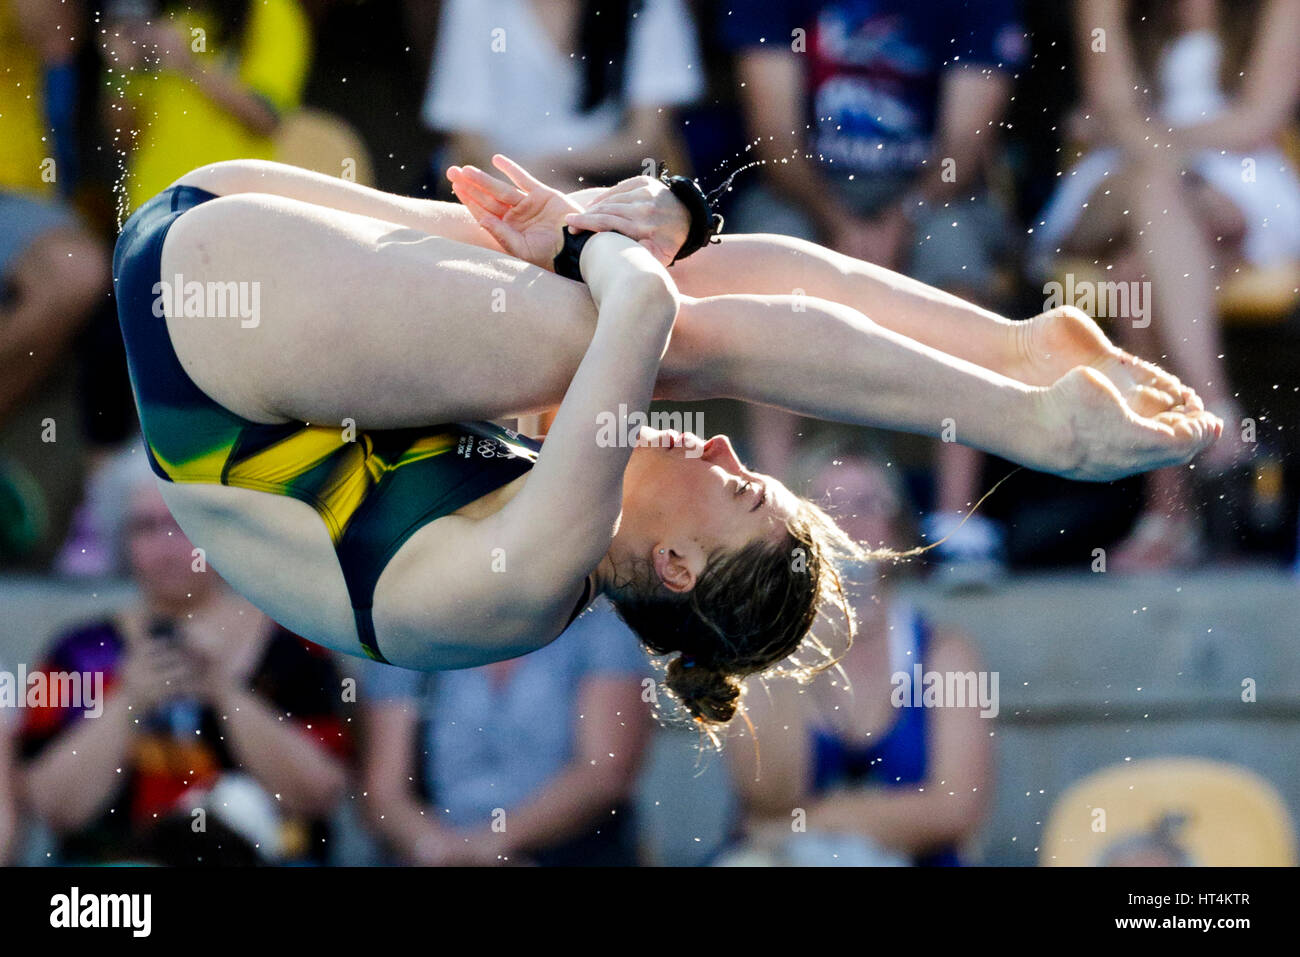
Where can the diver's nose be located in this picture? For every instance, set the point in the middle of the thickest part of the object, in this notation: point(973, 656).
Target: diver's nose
point(719, 451)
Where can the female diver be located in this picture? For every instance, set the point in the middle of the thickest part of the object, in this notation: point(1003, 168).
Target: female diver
point(312, 405)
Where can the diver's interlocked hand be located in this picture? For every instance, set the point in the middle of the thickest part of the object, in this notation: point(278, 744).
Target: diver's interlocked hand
point(641, 208)
point(526, 219)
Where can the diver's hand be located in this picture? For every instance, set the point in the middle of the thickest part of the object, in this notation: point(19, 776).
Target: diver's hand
point(526, 219)
point(641, 208)
point(1100, 436)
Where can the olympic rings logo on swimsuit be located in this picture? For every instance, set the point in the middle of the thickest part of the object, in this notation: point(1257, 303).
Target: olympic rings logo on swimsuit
point(493, 448)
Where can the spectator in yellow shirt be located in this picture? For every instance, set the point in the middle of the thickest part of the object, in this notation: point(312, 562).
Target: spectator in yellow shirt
point(33, 38)
point(204, 82)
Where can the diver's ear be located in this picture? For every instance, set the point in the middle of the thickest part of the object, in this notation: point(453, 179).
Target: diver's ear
point(679, 571)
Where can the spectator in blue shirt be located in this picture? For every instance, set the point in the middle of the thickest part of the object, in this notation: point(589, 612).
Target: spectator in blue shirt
point(529, 760)
point(878, 120)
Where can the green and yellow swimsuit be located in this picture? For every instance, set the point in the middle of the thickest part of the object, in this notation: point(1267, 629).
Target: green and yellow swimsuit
point(372, 492)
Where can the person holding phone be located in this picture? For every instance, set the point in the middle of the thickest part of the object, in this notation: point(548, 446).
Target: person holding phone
point(197, 686)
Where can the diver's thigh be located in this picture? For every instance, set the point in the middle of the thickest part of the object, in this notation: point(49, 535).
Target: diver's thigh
point(320, 315)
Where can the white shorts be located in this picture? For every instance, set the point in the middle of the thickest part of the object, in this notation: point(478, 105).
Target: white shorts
point(1269, 201)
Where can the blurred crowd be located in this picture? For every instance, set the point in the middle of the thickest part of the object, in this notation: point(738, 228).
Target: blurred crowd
point(991, 149)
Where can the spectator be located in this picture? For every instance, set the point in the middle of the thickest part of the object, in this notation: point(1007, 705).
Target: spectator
point(191, 85)
point(199, 688)
point(39, 41)
point(52, 271)
point(203, 82)
point(566, 87)
point(8, 801)
point(544, 747)
point(1222, 83)
point(880, 783)
point(877, 124)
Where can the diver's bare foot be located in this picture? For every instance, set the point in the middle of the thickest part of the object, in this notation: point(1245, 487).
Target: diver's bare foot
point(1099, 435)
point(1052, 343)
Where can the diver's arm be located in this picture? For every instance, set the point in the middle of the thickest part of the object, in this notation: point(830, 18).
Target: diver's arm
point(507, 581)
point(570, 506)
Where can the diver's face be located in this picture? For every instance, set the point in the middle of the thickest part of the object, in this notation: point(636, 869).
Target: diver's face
point(692, 496)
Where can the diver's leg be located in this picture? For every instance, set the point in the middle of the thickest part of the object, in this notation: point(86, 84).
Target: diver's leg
point(355, 318)
point(358, 318)
point(773, 265)
point(1037, 351)
point(449, 220)
point(827, 360)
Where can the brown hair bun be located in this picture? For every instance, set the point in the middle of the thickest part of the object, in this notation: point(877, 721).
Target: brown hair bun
point(705, 693)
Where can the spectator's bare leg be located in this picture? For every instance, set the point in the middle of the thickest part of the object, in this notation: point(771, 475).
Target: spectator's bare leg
point(1176, 228)
point(774, 436)
point(1166, 534)
point(957, 466)
point(1178, 260)
point(8, 799)
point(957, 477)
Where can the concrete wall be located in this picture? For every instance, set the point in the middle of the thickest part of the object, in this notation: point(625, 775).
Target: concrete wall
point(1100, 669)
point(1094, 670)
